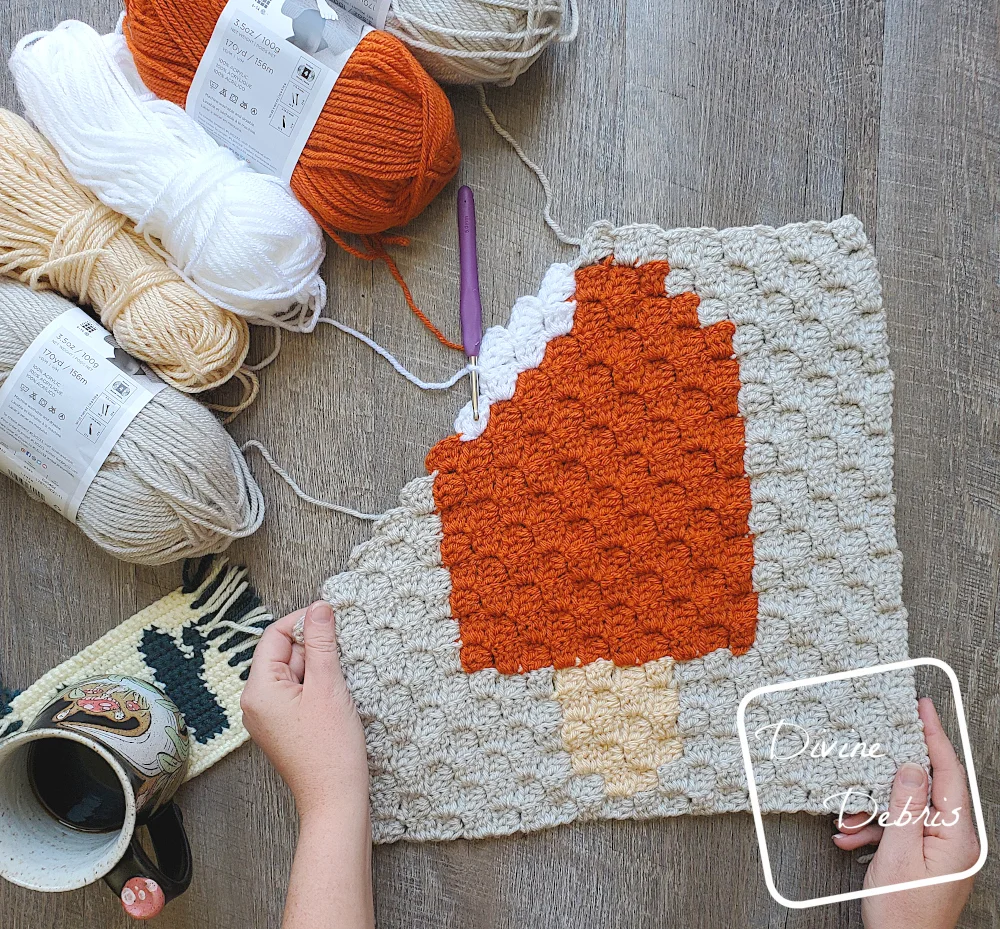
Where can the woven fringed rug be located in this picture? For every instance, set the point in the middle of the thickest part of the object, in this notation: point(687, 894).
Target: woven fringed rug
point(680, 490)
point(196, 644)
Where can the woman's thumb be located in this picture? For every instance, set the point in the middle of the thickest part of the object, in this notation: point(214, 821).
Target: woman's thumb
point(902, 845)
point(322, 662)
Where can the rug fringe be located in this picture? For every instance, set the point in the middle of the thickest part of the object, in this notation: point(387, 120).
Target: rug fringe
point(7, 696)
point(197, 570)
point(217, 575)
point(229, 600)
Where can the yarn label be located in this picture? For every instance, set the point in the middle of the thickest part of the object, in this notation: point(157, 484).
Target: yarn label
point(372, 12)
point(267, 73)
point(64, 405)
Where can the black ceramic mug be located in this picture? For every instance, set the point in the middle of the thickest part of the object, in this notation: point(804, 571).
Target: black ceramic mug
point(102, 759)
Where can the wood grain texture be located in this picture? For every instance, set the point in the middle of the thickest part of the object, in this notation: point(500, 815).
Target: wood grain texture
point(664, 111)
point(938, 243)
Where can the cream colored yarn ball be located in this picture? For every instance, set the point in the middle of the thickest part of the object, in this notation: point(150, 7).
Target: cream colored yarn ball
point(481, 41)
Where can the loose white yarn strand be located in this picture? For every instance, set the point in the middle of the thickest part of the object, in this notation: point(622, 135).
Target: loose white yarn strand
point(412, 378)
point(240, 627)
point(375, 347)
point(240, 238)
point(571, 32)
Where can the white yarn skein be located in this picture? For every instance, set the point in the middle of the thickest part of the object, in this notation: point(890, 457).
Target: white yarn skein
point(240, 238)
point(174, 486)
point(481, 41)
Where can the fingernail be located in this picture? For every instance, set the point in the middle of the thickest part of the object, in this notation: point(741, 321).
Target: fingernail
point(839, 835)
point(320, 612)
point(911, 775)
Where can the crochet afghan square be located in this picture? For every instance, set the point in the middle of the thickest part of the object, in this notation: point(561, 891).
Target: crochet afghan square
point(680, 489)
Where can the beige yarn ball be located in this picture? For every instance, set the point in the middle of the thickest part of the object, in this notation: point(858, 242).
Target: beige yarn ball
point(481, 41)
point(174, 486)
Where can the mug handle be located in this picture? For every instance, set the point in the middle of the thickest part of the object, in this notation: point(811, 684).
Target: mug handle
point(145, 887)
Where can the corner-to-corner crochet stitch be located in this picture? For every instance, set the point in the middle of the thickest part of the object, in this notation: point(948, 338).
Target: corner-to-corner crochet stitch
point(680, 490)
point(196, 644)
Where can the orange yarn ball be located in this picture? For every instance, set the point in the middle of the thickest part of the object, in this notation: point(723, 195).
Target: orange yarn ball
point(383, 147)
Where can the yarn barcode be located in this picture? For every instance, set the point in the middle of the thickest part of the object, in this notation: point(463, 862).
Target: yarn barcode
point(30, 488)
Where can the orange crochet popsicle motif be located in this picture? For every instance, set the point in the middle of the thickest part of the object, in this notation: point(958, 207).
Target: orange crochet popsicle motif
point(603, 512)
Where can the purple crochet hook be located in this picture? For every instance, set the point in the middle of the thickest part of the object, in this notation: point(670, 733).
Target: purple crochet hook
point(470, 303)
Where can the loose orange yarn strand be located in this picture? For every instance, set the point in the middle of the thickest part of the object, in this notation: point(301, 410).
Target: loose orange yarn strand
point(376, 252)
point(383, 147)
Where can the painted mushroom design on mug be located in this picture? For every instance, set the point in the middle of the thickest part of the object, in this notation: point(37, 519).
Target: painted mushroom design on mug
point(138, 722)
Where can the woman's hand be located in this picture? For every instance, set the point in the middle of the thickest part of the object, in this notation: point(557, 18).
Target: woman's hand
point(297, 708)
point(913, 849)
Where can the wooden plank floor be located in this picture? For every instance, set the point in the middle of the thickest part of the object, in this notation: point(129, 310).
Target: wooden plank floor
point(680, 112)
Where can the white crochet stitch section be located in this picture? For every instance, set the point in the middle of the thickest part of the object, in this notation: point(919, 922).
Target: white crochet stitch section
point(508, 350)
point(454, 754)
